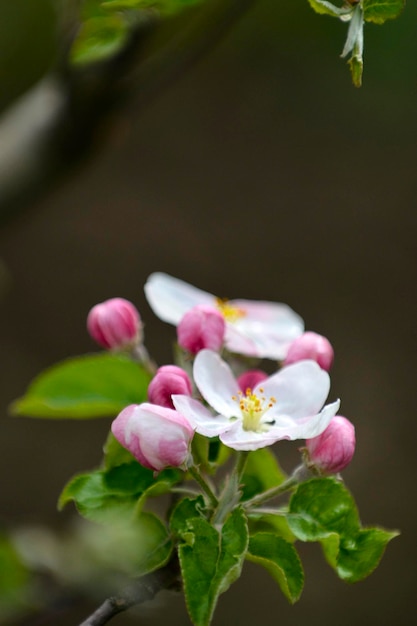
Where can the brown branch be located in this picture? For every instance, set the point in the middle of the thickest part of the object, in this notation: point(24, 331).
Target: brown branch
point(143, 589)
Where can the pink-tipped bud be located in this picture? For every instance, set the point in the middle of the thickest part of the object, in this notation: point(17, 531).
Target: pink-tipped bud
point(333, 450)
point(115, 324)
point(251, 378)
point(312, 346)
point(156, 436)
point(201, 327)
point(168, 380)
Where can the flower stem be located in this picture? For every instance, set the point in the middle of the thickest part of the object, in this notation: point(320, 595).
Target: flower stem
point(231, 494)
point(271, 493)
point(203, 484)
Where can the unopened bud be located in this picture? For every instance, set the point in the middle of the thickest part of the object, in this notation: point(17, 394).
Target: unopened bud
point(156, 436)
point(249, 379)
point(312, 346)
point(201, 327)
point(115, 324)
point(333, 450)
point(168, 380)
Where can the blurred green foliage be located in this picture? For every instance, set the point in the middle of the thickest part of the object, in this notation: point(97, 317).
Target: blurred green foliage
point(28, 45)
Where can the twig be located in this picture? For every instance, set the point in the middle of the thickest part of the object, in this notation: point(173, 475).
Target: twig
point(145, 588)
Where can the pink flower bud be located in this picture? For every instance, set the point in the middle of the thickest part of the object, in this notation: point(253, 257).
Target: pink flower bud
point(249, 379)
point(168, 379)
point(333, 450)
point(311, 346)
point(156, 436)
point(201, 327)
point(115, 323)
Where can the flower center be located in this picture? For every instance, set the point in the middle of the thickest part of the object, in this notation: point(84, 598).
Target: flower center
point(230, 313)
point(253, 408)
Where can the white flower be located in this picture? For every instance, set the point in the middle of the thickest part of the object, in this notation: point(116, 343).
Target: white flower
point(260, 329)
point(287, 405)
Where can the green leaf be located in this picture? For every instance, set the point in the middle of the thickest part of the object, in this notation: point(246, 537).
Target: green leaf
point(99, 38)
point(379, 11)
point(132, 546)
point(211, 559)
point(85, 387)
point(262, 472)
point(114, 453)
point(281, 560)
point(320, 507)
point(327, 8)
point(323, 510)
point(167, 7)
point(359, 556)
point(103, 495)
point(13, 579)
point(271, 523)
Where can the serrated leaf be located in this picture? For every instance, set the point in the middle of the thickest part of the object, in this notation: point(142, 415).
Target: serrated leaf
point(85, 387)
point(262, 472)
point(323, 510)
point(359, 556)
point(211, 559)
point(95, 500)
point(102, 495)
point(379, 11)
point(322, 506)
point(327, 8)
point(183, 514)
point(271, 523)
point(281, 560)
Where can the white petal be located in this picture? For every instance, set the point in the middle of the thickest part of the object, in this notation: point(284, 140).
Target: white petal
point(199, 417)
point(271, 326)
point(305, 427)
point(239, 439)
point(300, 389)
point(216, 383)
point(170, 298)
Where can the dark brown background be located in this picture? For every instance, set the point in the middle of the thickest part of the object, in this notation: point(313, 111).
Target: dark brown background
point(262, 173)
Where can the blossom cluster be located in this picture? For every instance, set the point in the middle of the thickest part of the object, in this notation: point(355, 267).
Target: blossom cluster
point(246, 409)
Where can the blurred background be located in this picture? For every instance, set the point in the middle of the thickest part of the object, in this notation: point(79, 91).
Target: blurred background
point(260, 172)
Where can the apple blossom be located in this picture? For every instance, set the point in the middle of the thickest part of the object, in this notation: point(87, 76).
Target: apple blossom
point(333, 449)
point(115, 323)
point(311, 346)
point(156, 436)
point(201, 327)
point(168, 379)
point(287, 405)
point(259, 329)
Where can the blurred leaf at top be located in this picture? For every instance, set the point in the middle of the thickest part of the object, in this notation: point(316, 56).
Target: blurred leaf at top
point(106, 25)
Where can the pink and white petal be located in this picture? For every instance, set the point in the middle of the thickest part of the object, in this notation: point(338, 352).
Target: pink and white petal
point(216, 383)
point(238, 439)
point(256, 343)
point(300, 389)
point(286, 427)
point(200, 418)
point(170, 298)
point(275, 313)
point(236, 341)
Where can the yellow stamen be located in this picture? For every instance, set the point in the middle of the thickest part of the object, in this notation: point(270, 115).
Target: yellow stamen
point(230, 313)
point(253, 408)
